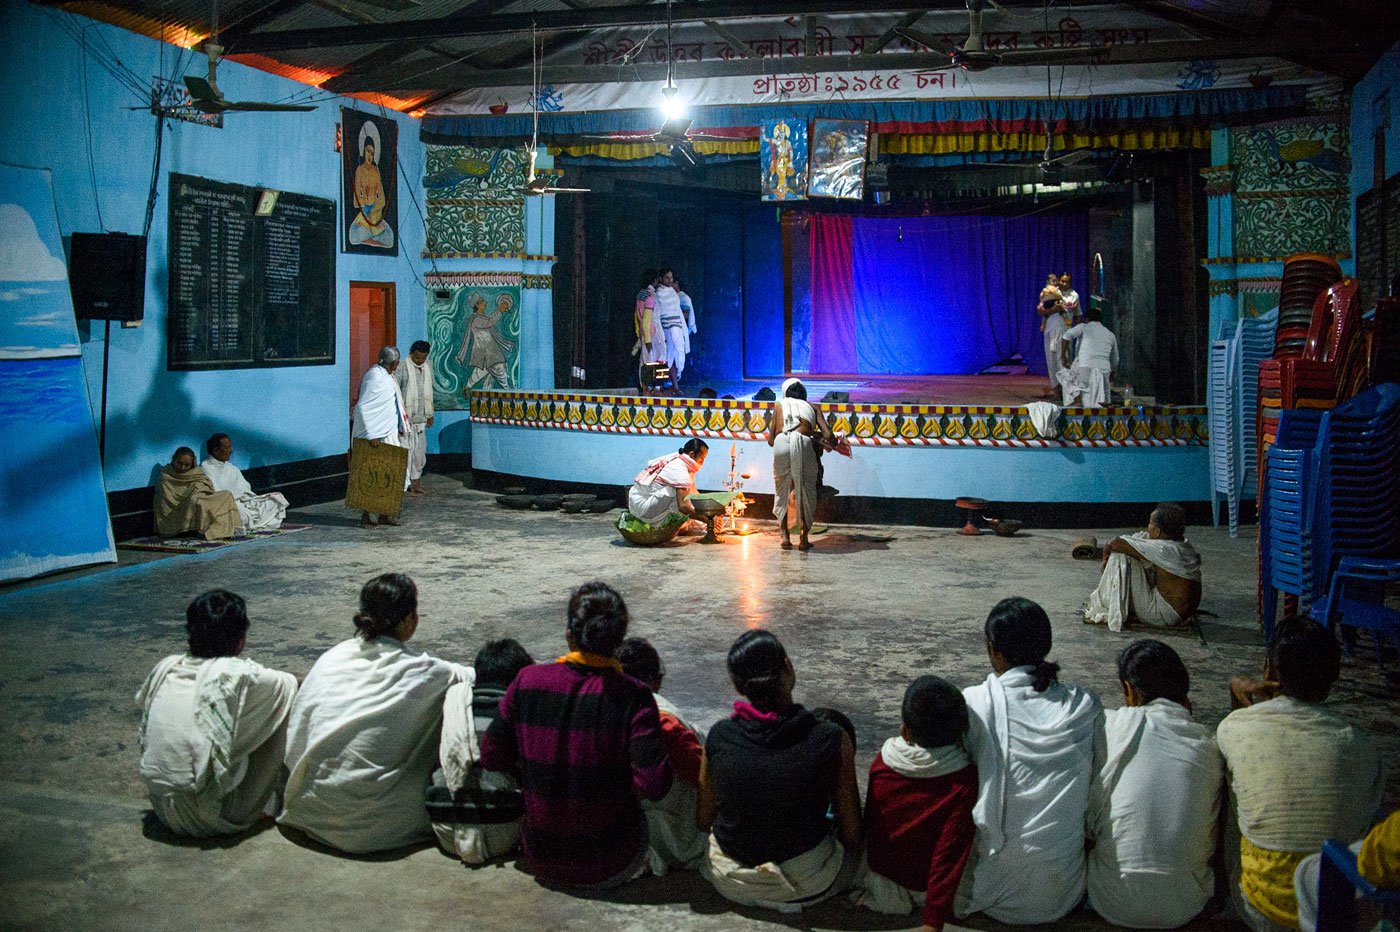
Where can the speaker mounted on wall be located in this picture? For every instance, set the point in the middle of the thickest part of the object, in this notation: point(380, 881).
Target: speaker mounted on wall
point(107, 275)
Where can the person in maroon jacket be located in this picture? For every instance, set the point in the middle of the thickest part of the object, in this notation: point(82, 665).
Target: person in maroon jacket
point(918, 808)
point(586, 740)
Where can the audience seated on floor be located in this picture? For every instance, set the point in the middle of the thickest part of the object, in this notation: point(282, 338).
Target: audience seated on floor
point(1152, 577)
point(213, 725)
point(675, 841)
point(1299, 774)
point(1034, 741)
point(586, 741)
point(918, 808)
point(1154, 808)
point(365, 727)
point(1377, 861)
point(771, 774)
point(186, 502)
point(475, 812)
point(257, 512)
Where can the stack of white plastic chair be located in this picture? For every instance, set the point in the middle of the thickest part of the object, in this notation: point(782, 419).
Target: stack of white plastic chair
point(1233, 410)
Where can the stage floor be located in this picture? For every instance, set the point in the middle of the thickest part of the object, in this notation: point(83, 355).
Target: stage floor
point(1004, 390)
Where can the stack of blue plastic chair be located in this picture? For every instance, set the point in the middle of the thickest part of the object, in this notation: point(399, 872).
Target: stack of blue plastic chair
point(1287, 551)
point(1233, 401)
point(1358, 481)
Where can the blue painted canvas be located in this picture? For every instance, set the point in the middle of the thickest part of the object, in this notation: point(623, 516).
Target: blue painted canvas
point(53, 504)
point(782, 159)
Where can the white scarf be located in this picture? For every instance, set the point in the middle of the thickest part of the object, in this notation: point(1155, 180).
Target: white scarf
point(379, 412)
point(1177, 557)
point(218, 695)
point(674, 469)
point(911, 760)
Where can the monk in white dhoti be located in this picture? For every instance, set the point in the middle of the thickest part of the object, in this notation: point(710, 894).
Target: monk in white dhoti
point(1152, 577)
point(416, 384)
point(1086, 381)
point(1155, 802)
point(795, 430)
point(186, 502)
point(258, 512)
point(213, 726)
point(1034, 741)
point(381, 415)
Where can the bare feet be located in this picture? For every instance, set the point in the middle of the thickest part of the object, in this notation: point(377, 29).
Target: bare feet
point(786, 543)
point(365, 520)
point(804, 544)
point(390, 520)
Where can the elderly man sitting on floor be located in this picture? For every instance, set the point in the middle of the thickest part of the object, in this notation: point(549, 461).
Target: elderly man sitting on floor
point(257, 512)
point(1152, 577)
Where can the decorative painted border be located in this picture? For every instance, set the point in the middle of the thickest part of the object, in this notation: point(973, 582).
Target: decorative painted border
point(537, 281)
point(470, 279)
point(529, 257)
point(865, 424)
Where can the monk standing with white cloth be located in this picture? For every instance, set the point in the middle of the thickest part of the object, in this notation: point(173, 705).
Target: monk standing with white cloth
point(416, 384)
point(1152, 577)
point(259, 512)
point(381, 415)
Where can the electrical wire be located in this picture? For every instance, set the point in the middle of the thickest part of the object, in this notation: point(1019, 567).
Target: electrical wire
point(87, 123)
point(413, 197)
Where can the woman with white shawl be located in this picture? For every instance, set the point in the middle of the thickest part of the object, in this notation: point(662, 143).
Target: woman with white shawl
point(658, 494)
point(794, 430)
point(1035, 741)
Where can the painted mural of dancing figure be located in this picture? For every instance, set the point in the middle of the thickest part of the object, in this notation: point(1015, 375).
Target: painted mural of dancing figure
point(483, 346)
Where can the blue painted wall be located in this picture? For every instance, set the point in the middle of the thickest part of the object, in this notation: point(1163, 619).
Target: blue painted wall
point(1383, 80)
point(275, 415)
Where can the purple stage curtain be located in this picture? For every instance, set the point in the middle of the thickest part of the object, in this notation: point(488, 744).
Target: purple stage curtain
point(937, 295)
point(833, 295)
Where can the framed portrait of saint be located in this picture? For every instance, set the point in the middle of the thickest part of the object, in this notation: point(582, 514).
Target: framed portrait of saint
point(369, 159)
point(837, 160)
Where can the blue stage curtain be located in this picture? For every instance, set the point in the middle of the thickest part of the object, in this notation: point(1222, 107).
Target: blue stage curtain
point(949, 295)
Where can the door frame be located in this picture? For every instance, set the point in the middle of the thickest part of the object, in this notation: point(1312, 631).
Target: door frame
point(391, 318)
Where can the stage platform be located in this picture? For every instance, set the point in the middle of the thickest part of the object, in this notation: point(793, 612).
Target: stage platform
point(911, 459)
point(887, 390)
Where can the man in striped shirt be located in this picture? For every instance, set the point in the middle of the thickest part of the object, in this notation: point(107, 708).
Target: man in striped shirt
point(586, 741)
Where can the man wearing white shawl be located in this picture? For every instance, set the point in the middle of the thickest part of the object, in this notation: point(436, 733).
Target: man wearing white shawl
point(674, 323)
point(658, 493)
point(795, 428)
point(416, 384)
point(381, 415)
point(1034, 741)
point(213, 726)
point(1086, 379)
point(1155, 802)
point(259, 512)
point(1152, 577)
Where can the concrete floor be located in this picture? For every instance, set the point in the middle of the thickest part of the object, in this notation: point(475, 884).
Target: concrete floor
point(860, 619)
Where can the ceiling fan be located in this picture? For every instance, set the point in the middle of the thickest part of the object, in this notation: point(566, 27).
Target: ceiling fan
point(973, 54)
point(535, 184)
point(206, 96)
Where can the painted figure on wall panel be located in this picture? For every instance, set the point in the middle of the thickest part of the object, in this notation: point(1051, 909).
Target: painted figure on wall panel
point(782, 157)
point(474, 328)
point(369, 170)
point(838, 158)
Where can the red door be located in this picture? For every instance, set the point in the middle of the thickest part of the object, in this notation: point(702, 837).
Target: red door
point(372, 327)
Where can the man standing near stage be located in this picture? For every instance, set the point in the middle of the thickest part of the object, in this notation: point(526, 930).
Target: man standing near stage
point(379, 415)
point(416, 384)
point(1052, 313)
point(668, 310)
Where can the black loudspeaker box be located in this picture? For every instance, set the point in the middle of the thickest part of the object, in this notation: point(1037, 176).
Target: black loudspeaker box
point(107, 274)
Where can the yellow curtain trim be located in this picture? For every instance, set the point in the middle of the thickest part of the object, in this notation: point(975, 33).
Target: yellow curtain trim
point(959, 143)
point(628, 151)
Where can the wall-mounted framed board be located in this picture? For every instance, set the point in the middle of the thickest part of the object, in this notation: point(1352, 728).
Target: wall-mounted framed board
point(249, 291)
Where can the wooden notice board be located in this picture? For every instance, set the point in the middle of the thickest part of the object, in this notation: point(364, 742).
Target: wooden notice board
point(377, 472)
point(245, 290)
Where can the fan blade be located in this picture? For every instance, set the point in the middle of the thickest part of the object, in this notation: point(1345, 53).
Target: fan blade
point(249, 106)
point(620, 140)
point(201, 90)
point(1070, 158)
point(556, 191)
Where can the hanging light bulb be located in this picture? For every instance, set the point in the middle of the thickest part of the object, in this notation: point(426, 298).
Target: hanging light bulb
point(672, 107)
